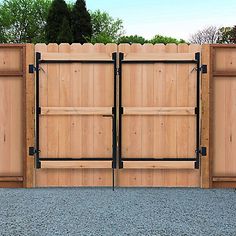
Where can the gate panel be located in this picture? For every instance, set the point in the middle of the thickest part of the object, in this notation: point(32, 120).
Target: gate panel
point(12, 114)
point(76, 101)
point(159, 119)
point(222, 115)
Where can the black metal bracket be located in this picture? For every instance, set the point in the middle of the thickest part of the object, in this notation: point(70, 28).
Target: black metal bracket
point(32, 69)
point(204, 69)
point(33, 151)
point(203, 151)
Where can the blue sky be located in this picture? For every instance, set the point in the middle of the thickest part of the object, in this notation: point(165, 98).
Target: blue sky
point(177, 18)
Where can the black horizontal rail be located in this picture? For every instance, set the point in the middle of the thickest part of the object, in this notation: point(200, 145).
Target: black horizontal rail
point(75, 159)
point(76, 61)
point(159, 159)
point(159, 61)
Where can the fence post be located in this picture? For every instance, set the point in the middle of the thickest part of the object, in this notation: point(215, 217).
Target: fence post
point(205, 113)
point(29, 172)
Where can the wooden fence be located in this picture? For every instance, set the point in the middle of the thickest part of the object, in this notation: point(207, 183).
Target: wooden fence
point(12, 115)
point(122, 114)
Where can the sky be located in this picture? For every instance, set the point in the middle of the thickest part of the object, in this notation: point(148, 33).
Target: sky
point(176, 18)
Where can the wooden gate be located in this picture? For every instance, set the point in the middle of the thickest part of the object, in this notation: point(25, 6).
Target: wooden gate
point(78, 113)
point(159, 121)
point(75, 114)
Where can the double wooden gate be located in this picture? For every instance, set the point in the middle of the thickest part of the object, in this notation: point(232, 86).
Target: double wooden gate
point(86, 94)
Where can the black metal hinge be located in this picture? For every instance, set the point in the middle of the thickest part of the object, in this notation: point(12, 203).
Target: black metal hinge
point(32, 68)
point(121, 110)
point(204, 69)
point(33, 151)
point(202, 151)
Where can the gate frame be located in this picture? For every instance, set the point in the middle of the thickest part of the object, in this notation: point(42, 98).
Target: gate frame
point(205, 170)
point(201, 69)
point(34, 150)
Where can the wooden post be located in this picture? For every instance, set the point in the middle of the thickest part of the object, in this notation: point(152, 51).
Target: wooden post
point(205, 112)
point(29, 172)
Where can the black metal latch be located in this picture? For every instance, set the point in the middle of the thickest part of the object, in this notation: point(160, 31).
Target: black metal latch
point(33, 151)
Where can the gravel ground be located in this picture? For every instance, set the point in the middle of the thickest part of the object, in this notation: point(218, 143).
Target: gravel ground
point(126, 211)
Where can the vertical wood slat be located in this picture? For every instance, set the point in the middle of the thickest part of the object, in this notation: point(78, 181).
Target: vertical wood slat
point(29, 171)
point(205, 112)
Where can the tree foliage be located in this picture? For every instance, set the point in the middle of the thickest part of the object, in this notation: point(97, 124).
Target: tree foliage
point(164, 39)
point(210, 34)
point(58, 15)
point(65, 34)
point(23, 21)
point(132, 39)
point(106, 29)
point(81, 22)
point(227, 35)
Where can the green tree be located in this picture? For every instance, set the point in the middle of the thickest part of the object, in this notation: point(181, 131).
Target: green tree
point(106, 29)
point(81, 22)
point(163, 39)
point(58, 13)
point(65, 34)
point(227, 35)
point(132, 39)
point(23, 21)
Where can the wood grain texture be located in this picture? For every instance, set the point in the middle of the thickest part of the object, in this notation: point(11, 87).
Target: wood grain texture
point(164, 165)
point(29, 161)
point(12, 111)
point(147, 56)
point(158, 85)
point(180, 111)
point(223, 114)
point(76, 110)
point(76, 164)
point(76, 56)
point(85, 87)
point(205, 117)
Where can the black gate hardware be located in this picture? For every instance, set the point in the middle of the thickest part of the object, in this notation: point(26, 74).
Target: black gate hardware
point(198, 69)
point(33, 151)
point(202, 151)
point(32, 69)
point(204, 69)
